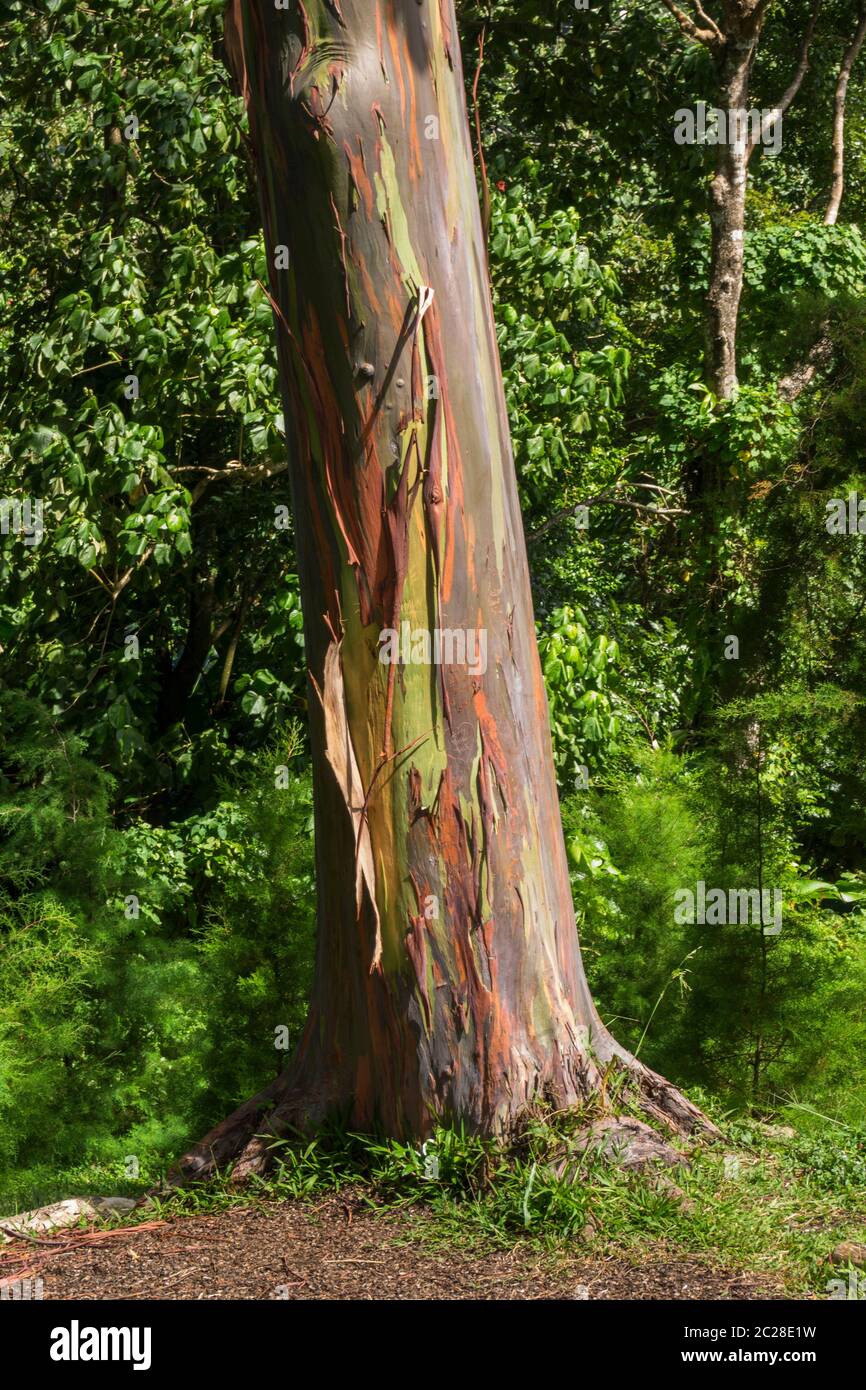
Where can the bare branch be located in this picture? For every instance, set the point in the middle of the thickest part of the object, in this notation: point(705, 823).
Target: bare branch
point(795, 84)
point(608, 500)
point(125, 578)
point(710, 37)
point(250, 473)
point(701, 14)
point(820, 355)
point(803, 61)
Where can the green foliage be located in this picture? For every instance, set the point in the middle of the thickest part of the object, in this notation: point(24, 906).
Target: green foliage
point(834, 1159)
point(139, 390)
point(577, 672)
point(551, 300)
point(631, 845)
point(47, 972)
point(750, 1017)
point(256, 942)
point(804, 255)
point(143, 970)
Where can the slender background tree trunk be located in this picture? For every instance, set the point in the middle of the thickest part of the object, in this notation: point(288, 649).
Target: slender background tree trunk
point(728, 217)
point(733, 42)
point(849, 58)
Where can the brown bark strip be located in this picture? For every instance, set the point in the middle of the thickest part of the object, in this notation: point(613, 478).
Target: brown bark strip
point(486, 211)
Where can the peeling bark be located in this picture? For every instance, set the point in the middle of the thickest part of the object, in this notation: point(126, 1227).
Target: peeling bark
point(448, 980)
point(340, 753)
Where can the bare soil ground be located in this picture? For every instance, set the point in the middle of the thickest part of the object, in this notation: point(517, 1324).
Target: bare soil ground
point(340, 1249)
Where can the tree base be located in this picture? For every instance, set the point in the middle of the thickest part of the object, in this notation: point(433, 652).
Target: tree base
point(626, 1097)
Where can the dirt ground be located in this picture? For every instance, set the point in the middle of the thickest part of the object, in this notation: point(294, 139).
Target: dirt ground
point(339, 1249)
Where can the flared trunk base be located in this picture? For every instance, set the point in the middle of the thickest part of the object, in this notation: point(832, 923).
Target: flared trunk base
point(608, 1083)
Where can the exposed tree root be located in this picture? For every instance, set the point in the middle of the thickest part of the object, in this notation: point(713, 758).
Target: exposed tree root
point(242, 1140)
point(629, 1143)
point(658, 1100)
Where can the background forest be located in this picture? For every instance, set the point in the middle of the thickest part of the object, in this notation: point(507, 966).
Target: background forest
point(156, 873)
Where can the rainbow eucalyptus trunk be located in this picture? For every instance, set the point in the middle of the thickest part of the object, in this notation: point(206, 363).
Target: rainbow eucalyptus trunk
point(448, 979)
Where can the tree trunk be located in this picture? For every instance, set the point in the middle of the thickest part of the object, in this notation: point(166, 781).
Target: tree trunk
point(837, 186)
point(733, 42)
point(179, 681)
point(728, 216)
point(448, 980)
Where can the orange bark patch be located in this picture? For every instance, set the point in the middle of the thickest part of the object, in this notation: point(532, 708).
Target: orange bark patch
point(358, 169)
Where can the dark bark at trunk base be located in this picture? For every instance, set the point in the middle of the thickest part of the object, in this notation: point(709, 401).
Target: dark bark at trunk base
point(245, 1140)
